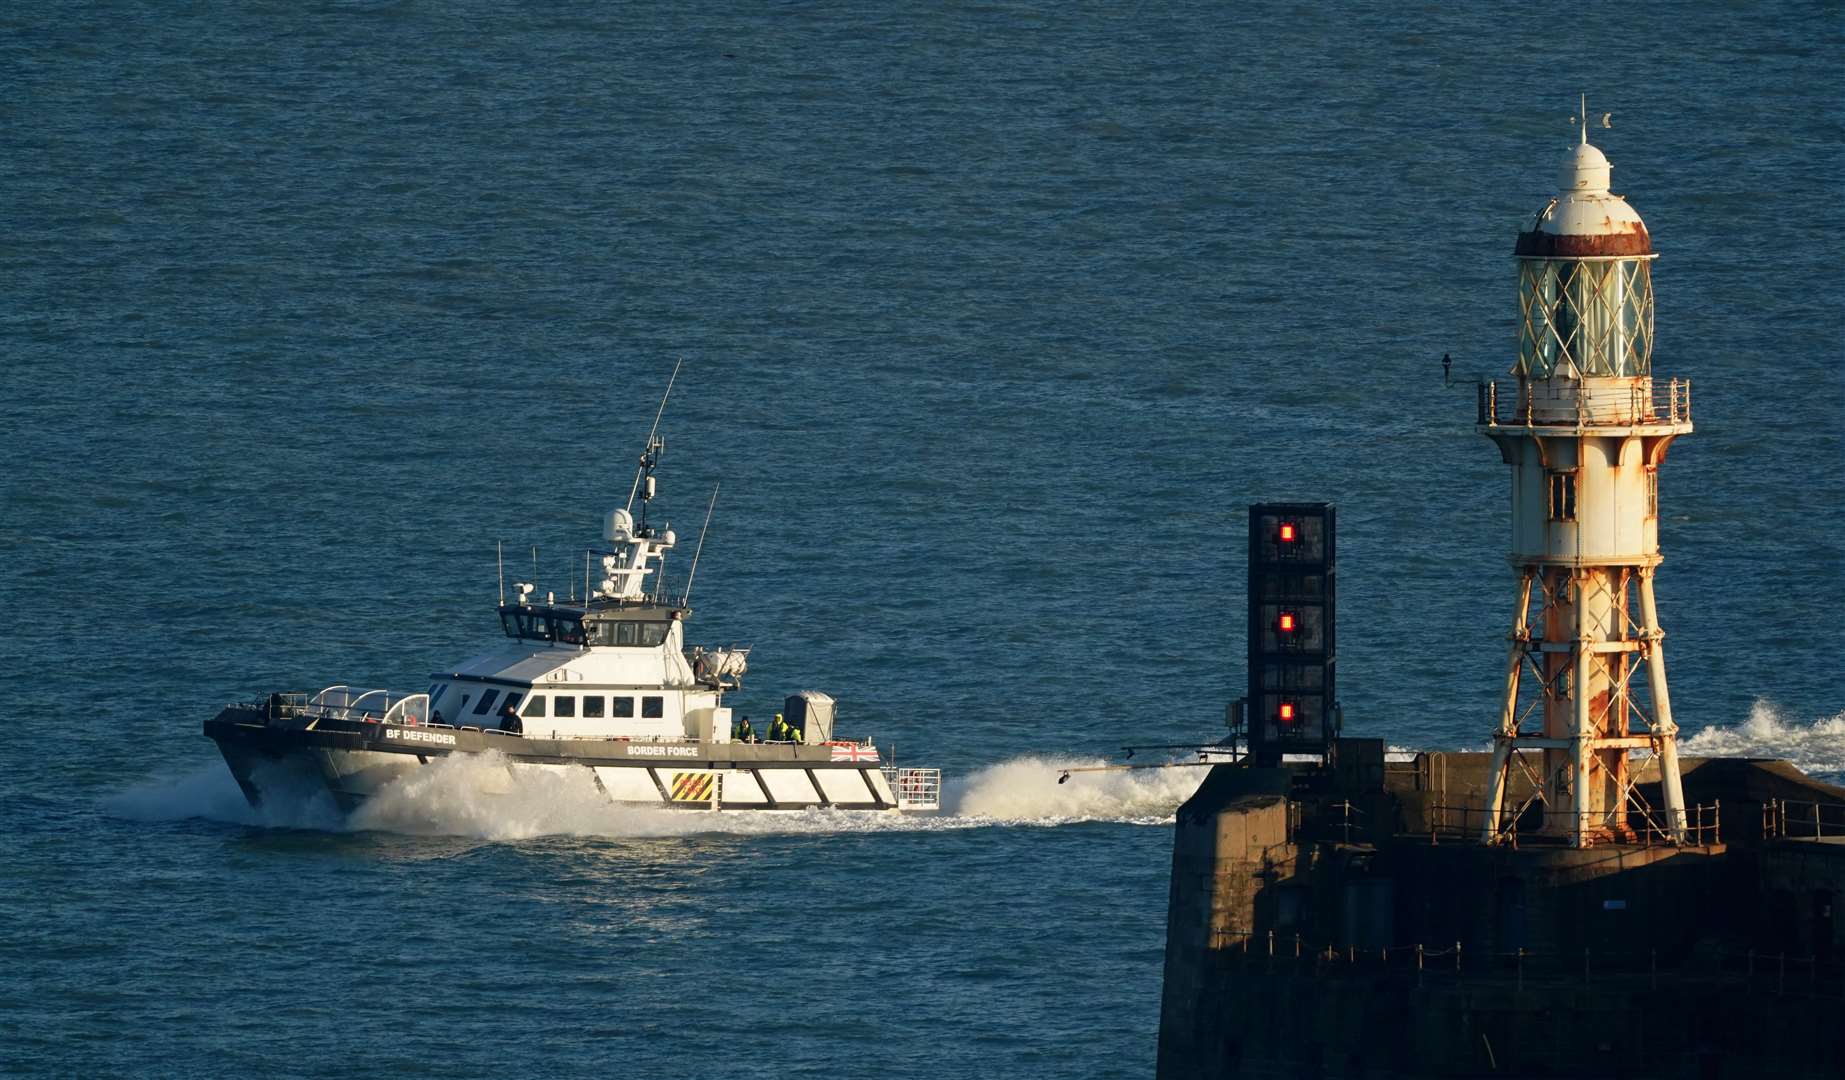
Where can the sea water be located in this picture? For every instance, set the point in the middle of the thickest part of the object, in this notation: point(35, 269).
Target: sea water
point(994, 318)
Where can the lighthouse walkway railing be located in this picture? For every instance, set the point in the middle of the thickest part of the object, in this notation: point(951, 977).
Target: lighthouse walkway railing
point(1642, 402)
point(1429, 964)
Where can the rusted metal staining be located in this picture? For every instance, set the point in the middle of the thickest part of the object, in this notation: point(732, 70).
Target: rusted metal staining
point(1624, 238)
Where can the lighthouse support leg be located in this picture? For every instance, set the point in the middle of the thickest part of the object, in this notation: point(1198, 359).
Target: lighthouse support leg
point(1504, 743)
point(1579, 739)
point(1665, 732)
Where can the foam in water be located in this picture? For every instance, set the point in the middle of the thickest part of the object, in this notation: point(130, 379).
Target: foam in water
point(1817, 748)
point(484, 796)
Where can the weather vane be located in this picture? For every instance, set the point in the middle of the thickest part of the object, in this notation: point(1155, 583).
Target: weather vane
point(1582, 118)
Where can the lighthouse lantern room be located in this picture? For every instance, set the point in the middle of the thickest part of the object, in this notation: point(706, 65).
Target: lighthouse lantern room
point(1585, 426)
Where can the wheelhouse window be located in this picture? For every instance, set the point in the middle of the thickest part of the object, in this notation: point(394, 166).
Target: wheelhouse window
point(593, 705)
point(564, 705)
point(624, 708)
point(535, 706)
point(511, 704)
point(486, 701)
point(653, 708)
point(627, 633)
point(543, 626)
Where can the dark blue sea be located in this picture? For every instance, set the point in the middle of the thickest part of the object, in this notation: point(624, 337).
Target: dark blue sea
point(994, 317)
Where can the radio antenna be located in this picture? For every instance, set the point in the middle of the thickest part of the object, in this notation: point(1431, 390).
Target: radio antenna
point(499, 552)
point(649, 453)
point(700, 550)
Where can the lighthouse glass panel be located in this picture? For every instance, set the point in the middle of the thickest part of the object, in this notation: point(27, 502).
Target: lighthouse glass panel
point(1585, 318)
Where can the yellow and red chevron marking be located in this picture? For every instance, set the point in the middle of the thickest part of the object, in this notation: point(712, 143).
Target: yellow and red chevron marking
point(693, 786)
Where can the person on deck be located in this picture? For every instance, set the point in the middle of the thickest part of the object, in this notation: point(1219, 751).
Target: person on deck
point(778, 729)
point(509, 721)
point(741, 731)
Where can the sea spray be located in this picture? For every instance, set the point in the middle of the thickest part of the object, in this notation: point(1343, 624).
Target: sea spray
point(209, 792)
point(1817, 748)
point(1026, 790)
point(485, 796)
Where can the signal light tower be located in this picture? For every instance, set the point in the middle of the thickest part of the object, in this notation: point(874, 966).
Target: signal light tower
point(1585, 430)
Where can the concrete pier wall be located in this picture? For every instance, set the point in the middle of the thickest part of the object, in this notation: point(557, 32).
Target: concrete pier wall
point(1321, 922)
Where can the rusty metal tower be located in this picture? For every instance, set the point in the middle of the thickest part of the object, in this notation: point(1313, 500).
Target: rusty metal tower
point(1585, 427)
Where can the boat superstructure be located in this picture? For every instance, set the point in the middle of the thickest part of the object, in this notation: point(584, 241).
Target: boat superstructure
point(606, 683)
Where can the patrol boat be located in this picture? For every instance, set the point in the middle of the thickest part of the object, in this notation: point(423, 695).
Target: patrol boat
point(607, 685)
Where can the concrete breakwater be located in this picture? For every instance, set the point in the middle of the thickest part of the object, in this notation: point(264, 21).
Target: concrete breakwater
point(1345, 921)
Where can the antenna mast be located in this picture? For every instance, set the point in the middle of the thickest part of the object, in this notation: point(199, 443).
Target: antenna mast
point(686, 597)
point(499, 552)
point(650, 454)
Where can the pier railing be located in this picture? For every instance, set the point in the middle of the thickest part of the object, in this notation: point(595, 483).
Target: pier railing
point(1799, 819)
point(1643, 826)
point(1451, 962)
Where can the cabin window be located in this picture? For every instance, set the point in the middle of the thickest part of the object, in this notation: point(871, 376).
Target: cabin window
point(1563, 496)
point(436, 692)
point(464, 704)
point(569, 631)
point(593, 705)
point(653, 708)
point(644, 634)
point(511, 704)
point(535, 706)
point(486, 701)
point(564, 705)
point(624, 708)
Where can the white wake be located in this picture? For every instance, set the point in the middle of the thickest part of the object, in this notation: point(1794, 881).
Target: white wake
point(483, 796)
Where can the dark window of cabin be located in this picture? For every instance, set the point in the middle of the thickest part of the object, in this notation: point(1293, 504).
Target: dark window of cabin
point(436, 692)
point(486, 701)
point(535, 706)
point(624, 633)
point(653, 708)
point(459, 709)
point(653, 633)
point(510, 622)
point(1563, 496)
point(624, 708)
point(569, 631)
point(511, 704)
point(592, 706)
point(564, 705)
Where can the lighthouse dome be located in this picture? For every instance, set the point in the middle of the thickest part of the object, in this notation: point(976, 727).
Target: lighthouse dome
point(1585, 219)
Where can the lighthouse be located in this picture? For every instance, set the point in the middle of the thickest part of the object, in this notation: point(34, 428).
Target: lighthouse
point(1584, 425)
